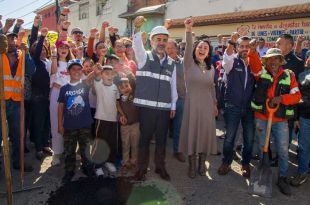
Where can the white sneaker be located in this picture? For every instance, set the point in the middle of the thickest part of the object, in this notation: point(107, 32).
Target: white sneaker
point(55, 161)
point(110, 167)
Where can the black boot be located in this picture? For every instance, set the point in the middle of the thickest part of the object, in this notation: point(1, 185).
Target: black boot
point(192, 166)
point(202, 164)
point(284, 186)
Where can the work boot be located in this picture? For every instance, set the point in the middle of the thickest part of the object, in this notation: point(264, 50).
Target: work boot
point(246, 171)
point(192, 166)
point(202, 164)
point(179, 156)
point(163, 173)
point(284, 186)
point(68, 177)
point(299, 180)
point(224, 169)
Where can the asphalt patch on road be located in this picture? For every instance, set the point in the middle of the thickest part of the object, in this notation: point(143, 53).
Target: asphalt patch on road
point(93, 191)
point(115, 191)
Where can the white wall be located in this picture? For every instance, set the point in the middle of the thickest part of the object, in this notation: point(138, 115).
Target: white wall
point(184, 8)
point(118, 7)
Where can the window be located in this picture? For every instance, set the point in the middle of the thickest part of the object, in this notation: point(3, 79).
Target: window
point(103, 7)
point(83, 11)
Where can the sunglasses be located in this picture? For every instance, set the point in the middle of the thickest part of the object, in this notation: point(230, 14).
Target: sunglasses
point(128, 46)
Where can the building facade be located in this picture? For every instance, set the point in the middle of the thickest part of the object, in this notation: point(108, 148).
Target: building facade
point(88, 14)
point(48, 13)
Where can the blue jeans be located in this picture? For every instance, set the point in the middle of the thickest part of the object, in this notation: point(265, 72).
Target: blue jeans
point(13, 122)
point(304, 146)
point(233, 115)
point(280, 133)
point(177, 123)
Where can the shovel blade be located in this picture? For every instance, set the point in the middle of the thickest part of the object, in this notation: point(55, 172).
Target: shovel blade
point(261, 181)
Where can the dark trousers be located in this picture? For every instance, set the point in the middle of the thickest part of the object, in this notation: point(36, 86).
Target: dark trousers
point(71, 138)
point(233, 116)
point(40, 123)
point(107, 131)
point(153, 121)
point(13, 122)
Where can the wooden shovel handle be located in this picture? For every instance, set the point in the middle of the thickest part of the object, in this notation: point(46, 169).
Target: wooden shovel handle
point(271, 112)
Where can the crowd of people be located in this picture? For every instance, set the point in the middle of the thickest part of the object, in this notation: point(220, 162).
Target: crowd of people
point(130, 90)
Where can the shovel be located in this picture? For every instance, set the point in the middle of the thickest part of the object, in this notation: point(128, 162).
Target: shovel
point(261, 177)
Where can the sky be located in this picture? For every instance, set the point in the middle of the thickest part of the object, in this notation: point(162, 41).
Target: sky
point(21, 8)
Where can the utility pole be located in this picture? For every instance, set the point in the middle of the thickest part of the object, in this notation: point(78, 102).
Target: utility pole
point(57, 12)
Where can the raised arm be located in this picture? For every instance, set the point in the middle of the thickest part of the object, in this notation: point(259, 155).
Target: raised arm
point(91, 40)
point(137, 43)
point(104, 25)
point(39, 46)
point(188, 58)
point(35, 29)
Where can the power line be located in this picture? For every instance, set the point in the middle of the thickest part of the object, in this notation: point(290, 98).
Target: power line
point(35, 9)
point(21, 8)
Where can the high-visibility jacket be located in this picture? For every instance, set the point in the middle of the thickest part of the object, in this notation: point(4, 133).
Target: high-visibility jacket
point(12, 85)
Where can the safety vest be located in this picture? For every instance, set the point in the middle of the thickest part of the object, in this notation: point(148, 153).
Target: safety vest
point(12, 85)
point(153, 88)
point(258, 103)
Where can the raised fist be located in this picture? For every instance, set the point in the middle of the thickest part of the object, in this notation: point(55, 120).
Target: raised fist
point(301, 38)
point(189, 23)
point(66, 24)
point(139, 21)
point(37, 20)
point(53, 50)
point(9, 23)
point(168, 23)
point(234, 37)
point(253, 44)
point(65, 11)
point(44, 31)
point(105, 25)
point(19, 22)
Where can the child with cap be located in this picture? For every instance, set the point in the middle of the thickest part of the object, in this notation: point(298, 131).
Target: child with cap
point(74, 118)
point(129, 119)
point(106, 112)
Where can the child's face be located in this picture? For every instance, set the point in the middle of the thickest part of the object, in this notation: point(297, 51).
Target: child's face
point(87, 68)
point(102, 49)
point(75, 73)
point(125, 88)
point(107, 77)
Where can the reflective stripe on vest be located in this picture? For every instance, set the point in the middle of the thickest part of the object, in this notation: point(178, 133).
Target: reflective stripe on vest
point(256, 107)
point(266, 75)
point(152, 103)
point(9, 77)
point(287, 80)
point(153, 75)
point(14, 90)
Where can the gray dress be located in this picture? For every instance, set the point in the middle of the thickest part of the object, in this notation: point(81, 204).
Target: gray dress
point(198, 131)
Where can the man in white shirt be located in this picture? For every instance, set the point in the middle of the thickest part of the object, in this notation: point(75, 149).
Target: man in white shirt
point(155, 95)
point(261, 49)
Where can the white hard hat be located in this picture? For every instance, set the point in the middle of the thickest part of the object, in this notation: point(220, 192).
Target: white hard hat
point(159, 30)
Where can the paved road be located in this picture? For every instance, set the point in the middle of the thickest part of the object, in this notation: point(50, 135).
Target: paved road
point(211, 189)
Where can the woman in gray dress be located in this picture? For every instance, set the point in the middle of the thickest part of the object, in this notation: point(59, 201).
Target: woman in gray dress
point(198, 134)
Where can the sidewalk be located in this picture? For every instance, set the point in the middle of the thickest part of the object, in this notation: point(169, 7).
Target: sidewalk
point(211, 189)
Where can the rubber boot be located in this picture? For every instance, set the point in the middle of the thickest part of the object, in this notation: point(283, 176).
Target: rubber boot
point(202, 164)
point(192, 166)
